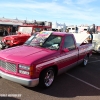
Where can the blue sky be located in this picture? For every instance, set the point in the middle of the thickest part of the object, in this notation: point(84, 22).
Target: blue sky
point(70, 12)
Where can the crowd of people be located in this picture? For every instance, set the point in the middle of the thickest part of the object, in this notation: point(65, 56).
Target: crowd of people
point(7, 30)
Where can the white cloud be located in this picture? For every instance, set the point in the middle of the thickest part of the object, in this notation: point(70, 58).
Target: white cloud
point(54, 0)
point(84, 1)
point(52, 10)
point(68, 1)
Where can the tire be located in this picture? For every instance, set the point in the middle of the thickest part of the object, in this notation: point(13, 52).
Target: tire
point(46, 78)
point(6, 46)
point(2, 46)
point(85, 61)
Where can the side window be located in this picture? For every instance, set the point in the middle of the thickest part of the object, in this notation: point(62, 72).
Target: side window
point(69, 43)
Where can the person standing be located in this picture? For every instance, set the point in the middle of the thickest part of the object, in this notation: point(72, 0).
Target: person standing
point(9, 30)
point(67, 30)
point(90, 38)
point(76, 28)
point(5, 33)
point(93, 29)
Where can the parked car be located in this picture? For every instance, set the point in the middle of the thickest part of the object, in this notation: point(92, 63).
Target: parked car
point(96, 43)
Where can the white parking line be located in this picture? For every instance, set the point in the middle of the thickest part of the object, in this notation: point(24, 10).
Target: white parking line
point(93, 61)
point(84, 81)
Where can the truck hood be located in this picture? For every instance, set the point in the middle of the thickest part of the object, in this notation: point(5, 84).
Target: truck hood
point(25, 54)
point(80, 38)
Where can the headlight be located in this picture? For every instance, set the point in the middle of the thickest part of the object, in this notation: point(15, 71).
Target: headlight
point(23, 67)
point(4, 40)
point(12, 41)
point(24, 72)
point(27, 70)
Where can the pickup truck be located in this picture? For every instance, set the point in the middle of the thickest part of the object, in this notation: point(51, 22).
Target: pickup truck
point(42, 57)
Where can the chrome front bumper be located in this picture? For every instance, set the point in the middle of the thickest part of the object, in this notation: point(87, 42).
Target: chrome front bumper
point(23, 81)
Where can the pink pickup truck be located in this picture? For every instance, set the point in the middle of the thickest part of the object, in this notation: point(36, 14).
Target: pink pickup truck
point(40, 59)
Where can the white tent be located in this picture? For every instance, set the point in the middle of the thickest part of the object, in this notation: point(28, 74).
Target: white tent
point(59, 26)
point(55, 25)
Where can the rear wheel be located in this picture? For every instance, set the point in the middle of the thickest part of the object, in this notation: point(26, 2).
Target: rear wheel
point(46, 78)
point(85, 60)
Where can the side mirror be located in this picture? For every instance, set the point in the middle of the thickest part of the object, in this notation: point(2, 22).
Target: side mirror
point(66, 50)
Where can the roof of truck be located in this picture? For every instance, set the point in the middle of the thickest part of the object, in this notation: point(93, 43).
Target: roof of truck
point(59, 33)
point(79, 37)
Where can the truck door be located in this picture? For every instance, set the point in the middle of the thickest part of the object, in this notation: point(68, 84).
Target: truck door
point(69, 58)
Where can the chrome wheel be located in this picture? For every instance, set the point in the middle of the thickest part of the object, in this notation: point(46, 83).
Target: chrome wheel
point(49, 78)
point(46, 78)
point(85, 60)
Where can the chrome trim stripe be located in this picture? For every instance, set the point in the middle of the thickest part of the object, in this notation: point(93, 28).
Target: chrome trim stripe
point(64, 69)
point(57, 59)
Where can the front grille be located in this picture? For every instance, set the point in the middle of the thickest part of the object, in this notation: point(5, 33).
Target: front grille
point(8, 66)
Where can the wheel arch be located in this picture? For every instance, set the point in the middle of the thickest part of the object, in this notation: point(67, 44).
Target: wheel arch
point(42, 82)
point(55, 68)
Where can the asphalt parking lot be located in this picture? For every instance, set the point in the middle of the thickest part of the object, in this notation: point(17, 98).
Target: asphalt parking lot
point(79, 83)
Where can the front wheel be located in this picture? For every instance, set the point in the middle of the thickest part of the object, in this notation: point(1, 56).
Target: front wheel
point(46, 78)
point(85, 60)
point(7, 46)
point(2, 45)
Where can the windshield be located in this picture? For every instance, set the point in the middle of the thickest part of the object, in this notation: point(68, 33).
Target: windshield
point(27, 30)
point(53, 42)
point(50, 42)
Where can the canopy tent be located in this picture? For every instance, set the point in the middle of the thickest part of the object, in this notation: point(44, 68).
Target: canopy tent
point(6, 21)
point(59, 26)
